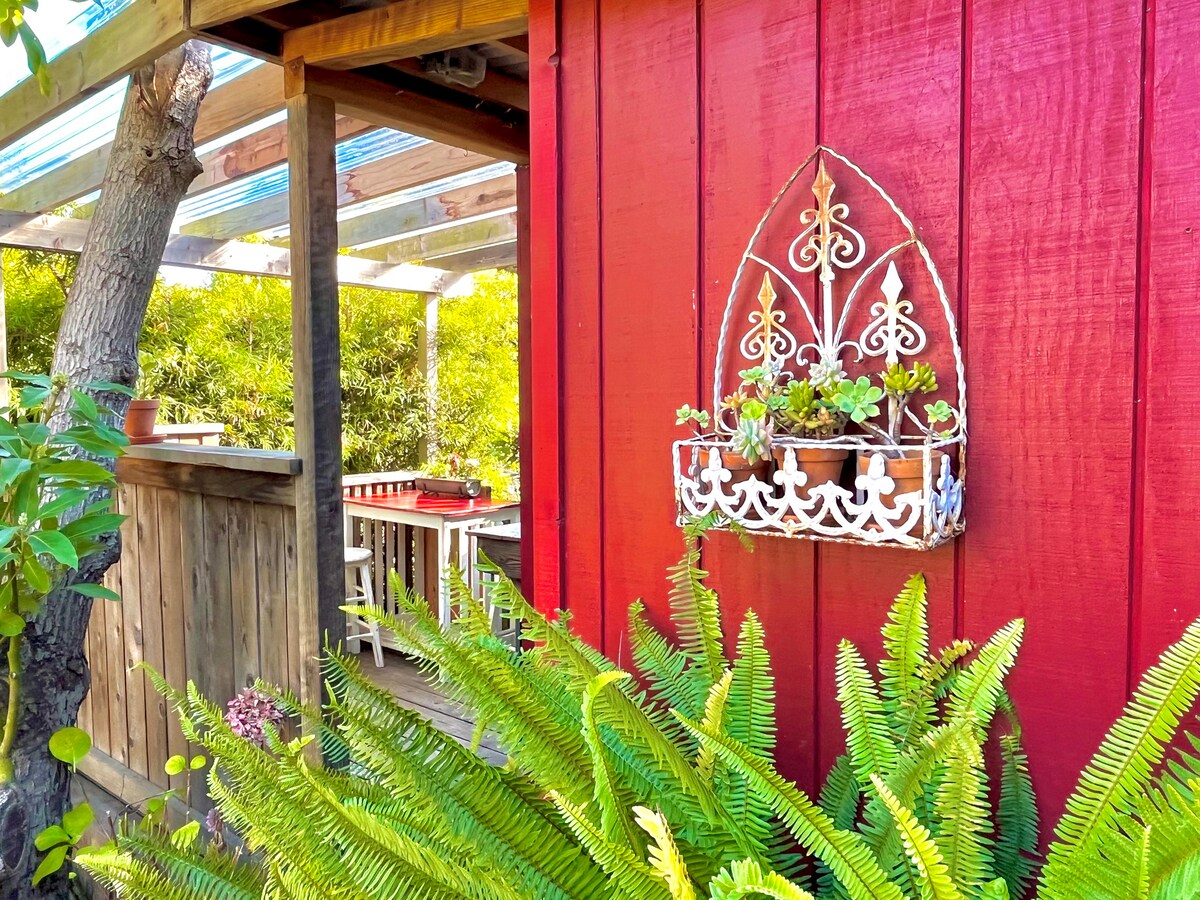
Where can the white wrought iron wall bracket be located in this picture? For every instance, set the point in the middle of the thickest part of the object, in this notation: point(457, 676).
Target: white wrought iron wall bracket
point(867, 509)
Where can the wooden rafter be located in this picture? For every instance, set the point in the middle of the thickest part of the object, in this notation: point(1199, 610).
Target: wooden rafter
point(402, 30)
point(227, 108)
point(61, 235)
point(258, 151)
point(141, 32)
point(400, 171)
point(407, 111)
point(207, 13)
point(468, 236)
point(496, 86)
point(493, 195)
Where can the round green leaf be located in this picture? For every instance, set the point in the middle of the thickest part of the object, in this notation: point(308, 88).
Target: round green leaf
point(198, 762)
point(175, 765)
point(70, 745)
point(76, 821)
point(11, 624)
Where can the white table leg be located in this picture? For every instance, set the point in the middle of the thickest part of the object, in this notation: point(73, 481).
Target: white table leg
point(443, 570)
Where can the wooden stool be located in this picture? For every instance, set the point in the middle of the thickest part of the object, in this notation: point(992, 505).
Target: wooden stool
point(361, 592)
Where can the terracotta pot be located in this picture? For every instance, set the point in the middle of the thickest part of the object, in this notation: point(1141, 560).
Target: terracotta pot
point(139, 421)
point(742, 470)
point(820, 464)
point(906, 472)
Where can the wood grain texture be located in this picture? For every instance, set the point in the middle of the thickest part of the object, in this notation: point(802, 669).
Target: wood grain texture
point(149, 578)
point(650, 261)
point(218, 482)
point(755, 62)
point(1167, 586)
point(891, 102)
point(317, 392)
point(1052, 183)
point(174, 615)
point(543, 513)
point(402, 30)
point(206, 13)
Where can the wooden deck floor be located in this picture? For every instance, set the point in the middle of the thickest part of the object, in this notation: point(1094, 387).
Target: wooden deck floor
point(409, 685)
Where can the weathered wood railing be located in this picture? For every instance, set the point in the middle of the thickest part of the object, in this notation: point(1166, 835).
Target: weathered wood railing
point(207, 579)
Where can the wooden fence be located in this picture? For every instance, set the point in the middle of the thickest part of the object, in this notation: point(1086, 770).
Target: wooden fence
point(208, 584)
point(207, 580)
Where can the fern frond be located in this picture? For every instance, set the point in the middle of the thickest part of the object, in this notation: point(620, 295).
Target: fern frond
point(696, 613)
point(869, 741)
point(905, 643)
point(630, 877)
point(1016, 820)
point(608, 794)
point(1133, 746)
point(714, 720)
point(977, 689)
point(665, 858)
point(842, 851)
point(962, 815)
point(935, 881)
point(663, 666)
point(746, 878)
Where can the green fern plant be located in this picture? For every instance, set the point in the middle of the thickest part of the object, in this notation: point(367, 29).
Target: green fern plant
point(664, 787)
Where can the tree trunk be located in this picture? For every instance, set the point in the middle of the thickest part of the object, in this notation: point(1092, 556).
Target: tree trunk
point(151, 164)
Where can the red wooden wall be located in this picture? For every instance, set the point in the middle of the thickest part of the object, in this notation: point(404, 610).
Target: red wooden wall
point(1047, 152)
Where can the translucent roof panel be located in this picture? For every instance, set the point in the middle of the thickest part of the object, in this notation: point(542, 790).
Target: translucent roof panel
point(91, 123)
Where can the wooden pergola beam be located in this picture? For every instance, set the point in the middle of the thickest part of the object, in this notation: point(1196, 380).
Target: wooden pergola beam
point(398, 172)
point(403, 30)
point(259, 151)
point(406, 111)
point(231, 106)
point(438, 242)
point(207, 13)
point(61, 235)
point(496, 86)
point(467, 202)
point(142, 32)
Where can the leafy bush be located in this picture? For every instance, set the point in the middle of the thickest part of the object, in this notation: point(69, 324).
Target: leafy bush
point(666, 788)
point(223, 354)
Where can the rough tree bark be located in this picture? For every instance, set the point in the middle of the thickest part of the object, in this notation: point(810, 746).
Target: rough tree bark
point(149, 169)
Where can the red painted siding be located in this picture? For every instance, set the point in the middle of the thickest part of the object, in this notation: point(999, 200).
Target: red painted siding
point(1045, 151)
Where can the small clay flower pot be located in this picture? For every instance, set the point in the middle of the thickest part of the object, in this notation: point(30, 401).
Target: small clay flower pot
point(742, 469)
point(139, 421)
point(907, 473)
point(821, 464)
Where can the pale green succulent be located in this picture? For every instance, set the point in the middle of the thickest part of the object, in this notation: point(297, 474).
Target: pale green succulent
point(858, 398)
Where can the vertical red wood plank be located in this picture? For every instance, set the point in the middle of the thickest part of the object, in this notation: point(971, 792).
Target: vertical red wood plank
point(525, 381)
point(891, 102)
point(540, 416)
point(582, 403)
point(758, 122)
point(1168, 590)
point(648, 232)
point(1052, 188)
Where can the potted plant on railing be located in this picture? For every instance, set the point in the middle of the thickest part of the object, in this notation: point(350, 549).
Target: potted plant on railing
point(749, 450)
point(143, 413)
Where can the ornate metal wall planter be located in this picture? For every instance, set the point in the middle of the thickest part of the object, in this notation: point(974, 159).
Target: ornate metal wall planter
point(826, 346)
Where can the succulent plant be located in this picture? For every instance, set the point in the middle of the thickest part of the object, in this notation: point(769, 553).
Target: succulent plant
point(686, 414)
point(751, 438)
point(899, 382)
point(858, 399)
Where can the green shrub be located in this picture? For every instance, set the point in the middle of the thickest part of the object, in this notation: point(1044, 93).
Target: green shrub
point(223, 354)
point(666, 788)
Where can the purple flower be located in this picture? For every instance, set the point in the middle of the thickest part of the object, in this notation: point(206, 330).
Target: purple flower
point(212, 822)
point(249, 711)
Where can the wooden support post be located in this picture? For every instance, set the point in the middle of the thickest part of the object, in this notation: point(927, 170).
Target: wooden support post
point(318, 396)
point(3, 335)
point(427, 351)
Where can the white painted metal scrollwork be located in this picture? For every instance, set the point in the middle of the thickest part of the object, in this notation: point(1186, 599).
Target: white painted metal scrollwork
point(780, 497)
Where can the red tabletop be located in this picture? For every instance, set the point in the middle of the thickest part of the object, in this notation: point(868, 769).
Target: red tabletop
point(420, 502)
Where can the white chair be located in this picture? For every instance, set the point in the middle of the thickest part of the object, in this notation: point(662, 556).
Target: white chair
point(360, 591)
